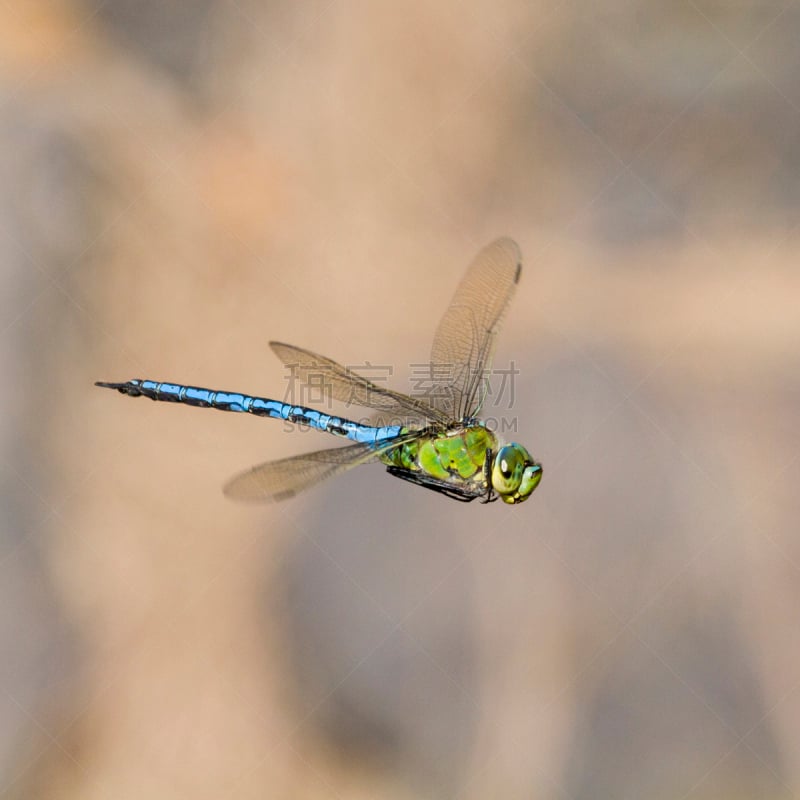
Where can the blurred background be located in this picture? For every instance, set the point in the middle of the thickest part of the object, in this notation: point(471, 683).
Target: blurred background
point(182, 182)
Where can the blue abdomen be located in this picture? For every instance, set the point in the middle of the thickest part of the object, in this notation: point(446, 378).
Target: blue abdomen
point(260, 406)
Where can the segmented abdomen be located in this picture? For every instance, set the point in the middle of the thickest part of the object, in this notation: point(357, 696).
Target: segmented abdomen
point(260, 406)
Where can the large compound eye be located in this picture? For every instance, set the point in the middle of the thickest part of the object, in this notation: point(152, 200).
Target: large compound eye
point(509, 464)
point(515, 474)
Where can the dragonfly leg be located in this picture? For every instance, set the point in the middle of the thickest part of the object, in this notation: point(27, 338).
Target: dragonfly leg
point(460, 493)
point(487, 474)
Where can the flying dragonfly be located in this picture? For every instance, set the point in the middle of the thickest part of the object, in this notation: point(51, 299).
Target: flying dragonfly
point(436, 441)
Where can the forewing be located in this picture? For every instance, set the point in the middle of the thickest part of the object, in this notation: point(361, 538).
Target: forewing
point(464, 342)
point(325, 375)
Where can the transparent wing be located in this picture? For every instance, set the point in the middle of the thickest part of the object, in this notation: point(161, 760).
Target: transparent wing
point(323, 374)
point(464, 342)
point(284, 478)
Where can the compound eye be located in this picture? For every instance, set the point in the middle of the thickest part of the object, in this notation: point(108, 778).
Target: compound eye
point(509, 465)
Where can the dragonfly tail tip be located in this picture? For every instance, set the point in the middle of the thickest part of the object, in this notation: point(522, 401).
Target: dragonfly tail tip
point(120, 387)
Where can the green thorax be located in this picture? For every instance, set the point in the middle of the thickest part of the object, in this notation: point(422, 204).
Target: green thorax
point(458, 455)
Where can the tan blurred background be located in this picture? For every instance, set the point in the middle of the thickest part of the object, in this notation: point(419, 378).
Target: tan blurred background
point(182, 182)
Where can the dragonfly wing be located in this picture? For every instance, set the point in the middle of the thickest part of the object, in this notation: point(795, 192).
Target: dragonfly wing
point(284, 478)
point(464, 342)
point(325, 375)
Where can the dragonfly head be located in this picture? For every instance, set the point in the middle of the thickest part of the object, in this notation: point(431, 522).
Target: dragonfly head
point(515, 474)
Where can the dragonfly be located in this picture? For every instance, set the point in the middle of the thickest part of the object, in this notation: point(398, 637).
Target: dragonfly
point(436, 440)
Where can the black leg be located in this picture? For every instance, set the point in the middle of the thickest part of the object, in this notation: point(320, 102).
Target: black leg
point(460, 493)
point(487, 474)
